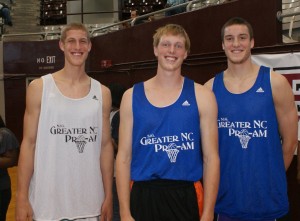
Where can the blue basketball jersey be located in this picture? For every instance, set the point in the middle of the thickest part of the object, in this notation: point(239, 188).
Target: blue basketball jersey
point(166, 140)
point(253, 181)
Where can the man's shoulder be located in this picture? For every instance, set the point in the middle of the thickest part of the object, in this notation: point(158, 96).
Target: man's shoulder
point(278, 81)
point(105, 90)
point(36, 83)
point(203, 90)
point(209, 83)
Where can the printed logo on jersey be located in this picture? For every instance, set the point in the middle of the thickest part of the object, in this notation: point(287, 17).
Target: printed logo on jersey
point(244, 131)
point(79, 136)
point(186, 104)
point(260, 90)
point(170, 144)
point(95, 97)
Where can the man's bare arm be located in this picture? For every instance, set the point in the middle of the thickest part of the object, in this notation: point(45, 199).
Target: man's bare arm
point(124, 156)
point(286, 115)
point(26, 158)
point(209, 137)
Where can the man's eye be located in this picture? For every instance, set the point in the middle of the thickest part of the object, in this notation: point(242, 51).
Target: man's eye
point(179, 46)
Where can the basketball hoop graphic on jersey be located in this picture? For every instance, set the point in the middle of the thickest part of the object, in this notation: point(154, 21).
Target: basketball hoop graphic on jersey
point(172, 152)
point(244, 138)
point(80, 143)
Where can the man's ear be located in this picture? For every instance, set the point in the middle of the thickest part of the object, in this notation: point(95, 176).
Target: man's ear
point(186, 54)
point(155, 51)
point(61, 45)
point(252, 43)
point(90, 47)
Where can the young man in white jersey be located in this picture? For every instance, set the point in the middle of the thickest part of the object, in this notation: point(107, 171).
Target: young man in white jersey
point(257, 123)
point(66, 162)
point(164, 150)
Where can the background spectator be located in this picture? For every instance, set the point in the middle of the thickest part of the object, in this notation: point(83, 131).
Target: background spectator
point(9, 151)
point(171, 3)
point(5, 14)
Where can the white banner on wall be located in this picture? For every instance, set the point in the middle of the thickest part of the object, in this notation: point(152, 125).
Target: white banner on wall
point(283, 63)
point(287, 64)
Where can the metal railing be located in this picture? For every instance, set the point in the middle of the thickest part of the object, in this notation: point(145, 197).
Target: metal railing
point(188, 6)
point(281, 15)
point(45, 34)
point(288, 17)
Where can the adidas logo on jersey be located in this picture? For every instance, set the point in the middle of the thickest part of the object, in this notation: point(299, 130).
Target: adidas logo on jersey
point(186, 104)
point(260, 90)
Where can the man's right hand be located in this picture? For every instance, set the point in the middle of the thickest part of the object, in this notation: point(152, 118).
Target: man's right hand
point(24, 211)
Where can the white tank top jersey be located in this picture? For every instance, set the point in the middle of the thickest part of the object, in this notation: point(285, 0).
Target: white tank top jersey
point(67, 180)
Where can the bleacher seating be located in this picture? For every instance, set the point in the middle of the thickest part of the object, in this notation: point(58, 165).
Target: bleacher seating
point(291, 23)
point(143, 6)
point(53, 12)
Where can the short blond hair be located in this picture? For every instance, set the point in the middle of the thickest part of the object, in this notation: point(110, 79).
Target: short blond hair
point(172, 29)
point(73, 26)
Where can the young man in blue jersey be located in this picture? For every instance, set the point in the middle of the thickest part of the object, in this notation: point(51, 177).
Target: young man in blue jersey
point(257, 123)
point(168, 141)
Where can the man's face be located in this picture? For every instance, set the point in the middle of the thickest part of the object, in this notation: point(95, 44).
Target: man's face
point(76, 47)
point(237, 43)
point(133, 14)
point(170, 52)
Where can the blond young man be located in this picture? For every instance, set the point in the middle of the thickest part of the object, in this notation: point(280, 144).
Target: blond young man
point(168, 141)
point(66, 161)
